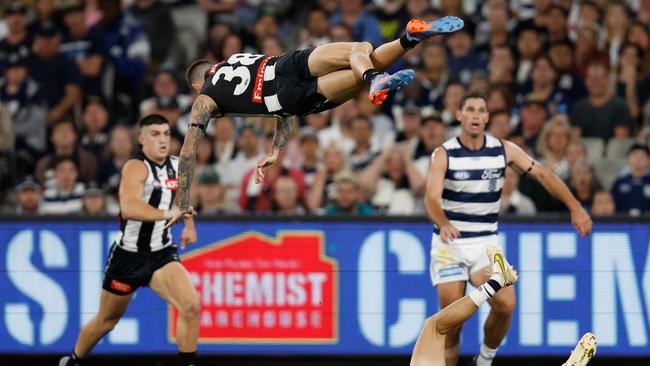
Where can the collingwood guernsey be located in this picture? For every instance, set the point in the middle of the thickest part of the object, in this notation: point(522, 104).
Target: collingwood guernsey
point(159, 192)
point(472, 188)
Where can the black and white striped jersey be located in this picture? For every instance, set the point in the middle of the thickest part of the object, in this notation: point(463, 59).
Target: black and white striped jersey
point(159, 192)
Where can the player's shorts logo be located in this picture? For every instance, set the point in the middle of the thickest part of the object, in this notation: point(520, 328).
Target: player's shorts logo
point(120, 286)
point(255, 288)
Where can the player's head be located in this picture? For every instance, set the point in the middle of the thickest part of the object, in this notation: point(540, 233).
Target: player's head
point(155, 136)
point(196, 74)
point(473, 114)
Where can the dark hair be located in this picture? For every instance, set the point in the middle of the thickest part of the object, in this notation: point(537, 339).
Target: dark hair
point(499, 112)
point(598, 63)
point(62, 159)
point(548, 59)
point(153, 119)
point(196, 71)
point(472, 95)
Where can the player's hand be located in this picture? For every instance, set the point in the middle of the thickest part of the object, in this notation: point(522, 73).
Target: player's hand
point(581, 221)
point(448, 233)
point(175, 214)
point(188, 236)
point(270, 159)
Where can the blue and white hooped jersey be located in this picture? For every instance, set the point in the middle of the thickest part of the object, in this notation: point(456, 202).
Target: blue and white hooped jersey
point(472, 188)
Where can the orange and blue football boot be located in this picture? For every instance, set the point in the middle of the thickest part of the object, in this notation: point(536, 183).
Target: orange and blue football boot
point(382, 85)
point(419, 30)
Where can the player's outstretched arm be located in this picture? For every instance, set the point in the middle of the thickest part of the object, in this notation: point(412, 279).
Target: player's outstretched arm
point(524, 164)
point(283, 129)
point(203, 109)
point(433, 195)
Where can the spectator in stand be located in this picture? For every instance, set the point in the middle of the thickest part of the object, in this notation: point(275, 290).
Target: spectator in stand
point(120, 150)
point(433, 133)
point(544, 78)
point(317, 31)
point(495, 32)
point(82, 45)
point(28, 195)
point(309, 146)
point(285, 198)
point(340, 33)
point(18, 43)
point(256, 198)
point(211, 195)
point(450, 104)
point(643, 13)
point(463, 60)
point(266, 25)
point(411, 122)
point(603, 204)
point(632, 190)
point(362, 154)
point(568, 81)
point(615, 30)
point(434, 74)
point(20, 96)
point(225, 148)
point(584, 184)
point(383, 130)
point(499, 125)
point(248, 145)
point(94, 202)
point(272, 46)
point(167, 100)
point(557, 26)
point(393, 182)
point(540, 17)
point(501, 67)
point(586, 48)
point(219, 11)
point(126, 47)
point(65, 194)
point(156, 21)
point(553, 146)
point(95, 121)
point(365, 27)
point(322, 191)
point(512, 201)
point(349, 197)
point(48, 10)
point(601, 114)
point(628, 85)
point(58, 77)
point(532, 119)
point(529, 47)
point(392, 18)
point(639, 36)
point(500, 99)
point(64, 139)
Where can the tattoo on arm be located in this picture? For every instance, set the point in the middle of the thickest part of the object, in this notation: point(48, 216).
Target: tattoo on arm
point(282, 132)
point(202, 111)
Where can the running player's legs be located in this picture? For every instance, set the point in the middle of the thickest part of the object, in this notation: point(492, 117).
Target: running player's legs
point(448, 294)
point(498, 321)
point(173, 284)
point(111, 309)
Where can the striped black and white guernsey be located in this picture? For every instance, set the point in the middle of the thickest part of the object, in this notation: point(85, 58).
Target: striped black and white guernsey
point(472, 188)
point(159, 192)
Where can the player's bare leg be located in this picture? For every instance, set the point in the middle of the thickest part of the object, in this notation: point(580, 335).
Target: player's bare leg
point(173, 284)
point(584, 351)
point(498, 321)
point(430, 347)
point(111, 309)
point(449, 293)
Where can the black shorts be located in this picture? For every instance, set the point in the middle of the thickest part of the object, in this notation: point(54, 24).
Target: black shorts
point(126, 271)
point(296, 87)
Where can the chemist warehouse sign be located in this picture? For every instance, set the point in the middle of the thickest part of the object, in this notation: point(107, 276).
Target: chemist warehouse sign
point(319, 287)
point(255, 288)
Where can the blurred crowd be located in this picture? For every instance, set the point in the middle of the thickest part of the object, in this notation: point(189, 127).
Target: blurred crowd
point(568, 81)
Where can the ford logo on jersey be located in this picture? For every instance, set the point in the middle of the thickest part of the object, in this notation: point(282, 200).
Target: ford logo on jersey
point(462, 175)
point(491, 174)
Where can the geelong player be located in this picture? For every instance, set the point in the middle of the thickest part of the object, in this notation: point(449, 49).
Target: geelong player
point(430, 347)
point(295, 84)
point(143, 253)
point(462, 198)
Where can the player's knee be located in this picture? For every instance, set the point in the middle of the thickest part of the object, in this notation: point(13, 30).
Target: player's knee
point(365, 47)
point(190, 307)
point(504, 305)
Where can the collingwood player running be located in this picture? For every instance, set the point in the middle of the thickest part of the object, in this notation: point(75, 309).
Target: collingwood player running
point(143, 253)
point(462, 198)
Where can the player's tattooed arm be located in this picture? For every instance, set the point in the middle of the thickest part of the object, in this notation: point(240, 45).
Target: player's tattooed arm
point(203, 109)
point(282, 132)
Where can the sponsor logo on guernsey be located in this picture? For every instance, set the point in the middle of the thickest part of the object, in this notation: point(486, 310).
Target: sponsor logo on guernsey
point(461, 175)
point(171, 184)
point(259, 81)
point(491, 174)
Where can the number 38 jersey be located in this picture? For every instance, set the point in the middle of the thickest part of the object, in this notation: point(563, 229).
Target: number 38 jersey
point(243, 85)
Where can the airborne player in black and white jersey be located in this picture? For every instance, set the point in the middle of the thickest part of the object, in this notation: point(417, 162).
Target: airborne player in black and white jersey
point(143, 253)
point(294, 84)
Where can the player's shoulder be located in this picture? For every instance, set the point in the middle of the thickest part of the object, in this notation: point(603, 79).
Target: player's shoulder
point(134, 166)
point(491, 141)
point(451, 144)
